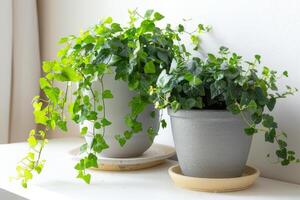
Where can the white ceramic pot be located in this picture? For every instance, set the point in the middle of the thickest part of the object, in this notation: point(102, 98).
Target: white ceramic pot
point(116, 110)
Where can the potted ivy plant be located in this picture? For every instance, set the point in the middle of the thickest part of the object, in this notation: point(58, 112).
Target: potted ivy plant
point(212, 102)
point(107, 71)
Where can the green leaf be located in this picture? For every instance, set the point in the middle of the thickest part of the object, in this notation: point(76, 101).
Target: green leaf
point(234, 109)
point(193, 80)
point(137, 126)
point(107, 94)
point(68, 74)
point(163, 79)
point(257, 57)
point(105, 122)
point(108, 20)
point(252, 106)
point(137, 105)
point(97, 125)
point(92, 115)
point(188, 103)
point(62, 125)
point(99, 143)
point(268, 121)
point(83, 148)
point(63, 40)
point(256, 118)
point(282, 144)
point(149, 68)
point(44, 83)
point(175, 106)
point(250, 130)
point(147, 26)
point(158, 16)
point(40, 115)
point(201, 28)
point(83, 130)
point(270, 135)
point(91, 161)
point(148, 13)
point(271, 103)
point(52, 94)
point(39, 168)
point(163, 123)
point(99, 108)
point(85, 177)
point(180, 28)
point(195, 40)
point(285, 73)
point(282, 153)
point(199, 103)
point(151, 133)
point(266, 71)
point(163, 56)
point(86, 100)
point(115, 27)
point(128, 134)
point(121, 140)
point(32, 141)
point(285, 162)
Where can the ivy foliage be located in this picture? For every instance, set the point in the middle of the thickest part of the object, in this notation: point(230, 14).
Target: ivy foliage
point(226, 81)
point(136, 53)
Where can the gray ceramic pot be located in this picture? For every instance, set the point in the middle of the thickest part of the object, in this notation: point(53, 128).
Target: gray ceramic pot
point(117, 108)
point(210, 143)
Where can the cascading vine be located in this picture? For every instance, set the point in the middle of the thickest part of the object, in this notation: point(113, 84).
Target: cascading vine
point(136, 54)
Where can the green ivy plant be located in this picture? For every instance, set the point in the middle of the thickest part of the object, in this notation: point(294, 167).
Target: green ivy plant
point(137, 54)
point(226, 81)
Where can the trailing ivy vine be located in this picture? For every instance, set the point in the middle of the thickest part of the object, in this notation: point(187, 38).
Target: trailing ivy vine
point(137, 54)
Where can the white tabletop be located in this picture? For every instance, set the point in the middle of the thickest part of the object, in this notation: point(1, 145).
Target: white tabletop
point(58, 180)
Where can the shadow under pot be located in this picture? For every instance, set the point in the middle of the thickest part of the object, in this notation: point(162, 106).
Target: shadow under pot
point(210, 143)
point(116, 110)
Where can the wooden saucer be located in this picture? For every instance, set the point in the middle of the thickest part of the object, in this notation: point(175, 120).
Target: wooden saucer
point(155, 155)
point(214, 184)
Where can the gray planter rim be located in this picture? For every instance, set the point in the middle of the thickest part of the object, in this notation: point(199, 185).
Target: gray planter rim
point(202, 113)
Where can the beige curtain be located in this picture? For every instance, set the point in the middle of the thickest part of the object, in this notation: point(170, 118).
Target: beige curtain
point(19, 68)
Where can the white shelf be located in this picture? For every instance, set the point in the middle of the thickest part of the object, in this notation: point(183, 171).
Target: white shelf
point(58, 180)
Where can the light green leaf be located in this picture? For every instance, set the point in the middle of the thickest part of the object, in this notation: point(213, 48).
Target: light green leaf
point(44, 83)
point(149, 68)
point(158, 16)
point(83, 130)
point(32, 141)
point(107, 94)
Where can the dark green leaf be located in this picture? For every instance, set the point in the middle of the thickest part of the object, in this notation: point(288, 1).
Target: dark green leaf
point(270, 135)
point(163, 123)
point(250, 130)
point(282, 153)
point(271, 103)
point(105, 122)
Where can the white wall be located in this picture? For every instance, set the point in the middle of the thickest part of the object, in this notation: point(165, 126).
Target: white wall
point(267, 27)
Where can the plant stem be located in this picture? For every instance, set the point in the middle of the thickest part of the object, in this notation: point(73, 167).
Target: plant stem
point(103, 101)
point(64, 101)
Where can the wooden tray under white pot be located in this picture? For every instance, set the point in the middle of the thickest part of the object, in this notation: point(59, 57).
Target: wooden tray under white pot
point(155, 155)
